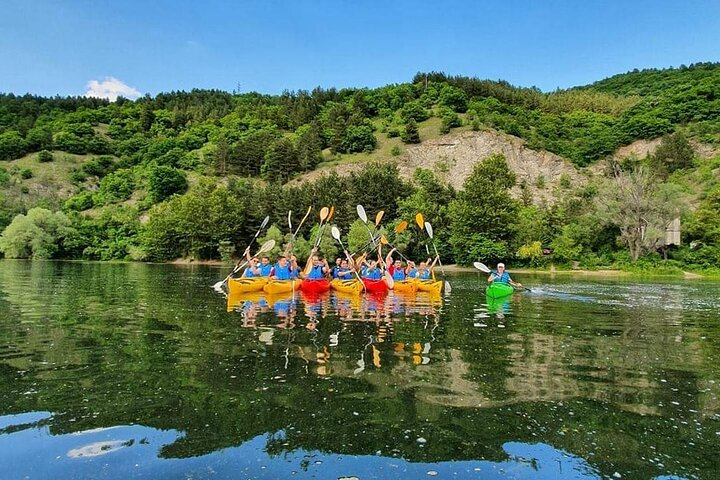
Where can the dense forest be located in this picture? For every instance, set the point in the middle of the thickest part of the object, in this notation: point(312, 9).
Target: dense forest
point(192, 174)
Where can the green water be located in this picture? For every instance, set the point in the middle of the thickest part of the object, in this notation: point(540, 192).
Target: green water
point(143, 371)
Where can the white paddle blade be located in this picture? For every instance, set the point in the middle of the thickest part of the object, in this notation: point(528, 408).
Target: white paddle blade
point(448, 288)
point(267, 246)
point(429, 229)
point(264, 222)
point(335, 231)
point(481, 266)
point(290, 220)
point(361, 213)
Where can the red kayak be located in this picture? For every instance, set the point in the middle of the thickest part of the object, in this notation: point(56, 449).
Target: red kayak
point(315, 286)
point(375, 285)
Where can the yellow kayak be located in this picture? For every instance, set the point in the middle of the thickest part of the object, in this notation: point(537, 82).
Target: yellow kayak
point(431, 286)
point(274, 287)
point(245, 285)
point(236, 300)
point(405, 286)
point(353, 286)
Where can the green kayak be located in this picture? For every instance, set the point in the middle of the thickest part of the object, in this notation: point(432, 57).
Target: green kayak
point(498, 290)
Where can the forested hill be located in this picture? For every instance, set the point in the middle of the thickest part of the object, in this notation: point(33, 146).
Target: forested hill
point(99, 167)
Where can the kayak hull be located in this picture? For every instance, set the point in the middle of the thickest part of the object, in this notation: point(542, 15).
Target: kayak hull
point(499, 290)
point(405, 286)
point(315, 286)
point(353, 286)
point(431, 286)
point(375, 286)
point(275, 287)
point(246, 285)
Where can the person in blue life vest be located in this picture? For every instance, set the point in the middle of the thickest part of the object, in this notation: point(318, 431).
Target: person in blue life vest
point(251, 270)
point(265, 266)
point(343, 272)
point(411, 269)
point(424, 271)
point(283, 270)
point(335, 269)
point(371, 270)
point(500, 275)
point(316, 267)
point(395, 268)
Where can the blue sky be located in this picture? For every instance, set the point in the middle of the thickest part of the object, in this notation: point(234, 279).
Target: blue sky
point(50, 47)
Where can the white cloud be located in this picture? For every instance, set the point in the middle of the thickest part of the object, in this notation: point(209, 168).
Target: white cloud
point(111, 88)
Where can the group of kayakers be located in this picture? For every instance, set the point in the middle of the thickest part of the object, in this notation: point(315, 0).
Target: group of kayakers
point(286, 267)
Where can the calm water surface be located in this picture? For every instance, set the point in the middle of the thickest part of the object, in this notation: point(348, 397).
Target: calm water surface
point(119, 371)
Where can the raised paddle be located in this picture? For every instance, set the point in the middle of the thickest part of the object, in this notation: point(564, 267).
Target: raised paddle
point(378, 217)
point(364, 218)
point(266, 247)
point(324, 212)
point(264, 223)
point(335, 232)
point(429, 230)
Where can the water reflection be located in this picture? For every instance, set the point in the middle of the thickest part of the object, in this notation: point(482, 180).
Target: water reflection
point(607, 377)
point(135, 452)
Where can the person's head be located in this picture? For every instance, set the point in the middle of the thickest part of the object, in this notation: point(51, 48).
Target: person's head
point(423, 265)
point(372, 264)
point(254, 261)
point(282, 261)
point(338, 261)
point(293, 259)
point(501, 267)
point(344, 263)
point(411, 264)
point(265, 260)
point(316, 260)
point(398, 264)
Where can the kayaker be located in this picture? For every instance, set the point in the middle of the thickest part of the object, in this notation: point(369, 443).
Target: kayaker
point(338, 262)
point(500, 275)
point(395, 268)
point(318, 268)
point(371, 270)
point(424, 272)
point(343, 272)
point(265, 267)
point(283, 270)
point(252, 270)
point(411, 269)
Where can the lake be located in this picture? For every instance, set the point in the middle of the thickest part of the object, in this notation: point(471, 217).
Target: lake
point(120, 371)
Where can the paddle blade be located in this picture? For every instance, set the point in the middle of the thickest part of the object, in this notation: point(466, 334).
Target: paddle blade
point(448, 288)
point(290, 220)
point(266, 247)
point(429, 229)
point(361, 213)
point(335, 233)
point(481, 266)
point(384, 240)
point(332, 212)
point(265, 222)
point(378, 217)
point(401, 227)
point(324, 212)
point(420, 220)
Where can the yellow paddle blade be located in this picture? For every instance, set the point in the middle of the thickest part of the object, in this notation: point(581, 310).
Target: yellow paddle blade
point(401, 227)
point(324, 211)
point(332, 212)
point(420, 221)
point(378, 217)
point(384, 240)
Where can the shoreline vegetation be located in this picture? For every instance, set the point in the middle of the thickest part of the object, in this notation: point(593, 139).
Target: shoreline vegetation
point(622, 173)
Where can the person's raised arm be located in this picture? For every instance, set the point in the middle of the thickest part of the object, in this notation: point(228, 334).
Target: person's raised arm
point(389, 257)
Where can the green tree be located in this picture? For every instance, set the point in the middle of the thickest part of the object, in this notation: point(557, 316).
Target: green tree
point(12, 145)
point(165, 181)
point(483, 214)
point(281, 161)
point(673, 153)
point(411, 133)
point(39, 234)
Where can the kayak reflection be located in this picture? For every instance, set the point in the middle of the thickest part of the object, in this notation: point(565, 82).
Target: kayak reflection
point(369, 330)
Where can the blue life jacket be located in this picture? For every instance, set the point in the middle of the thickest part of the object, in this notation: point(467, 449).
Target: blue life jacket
point(316, 272)
point(424, 275)
point(374, 274)
point(398, 274)
point(249, 273)
point(504, 278)
point(412, 273)
point(265, 270)
point(285, 273)
point(338, 270)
